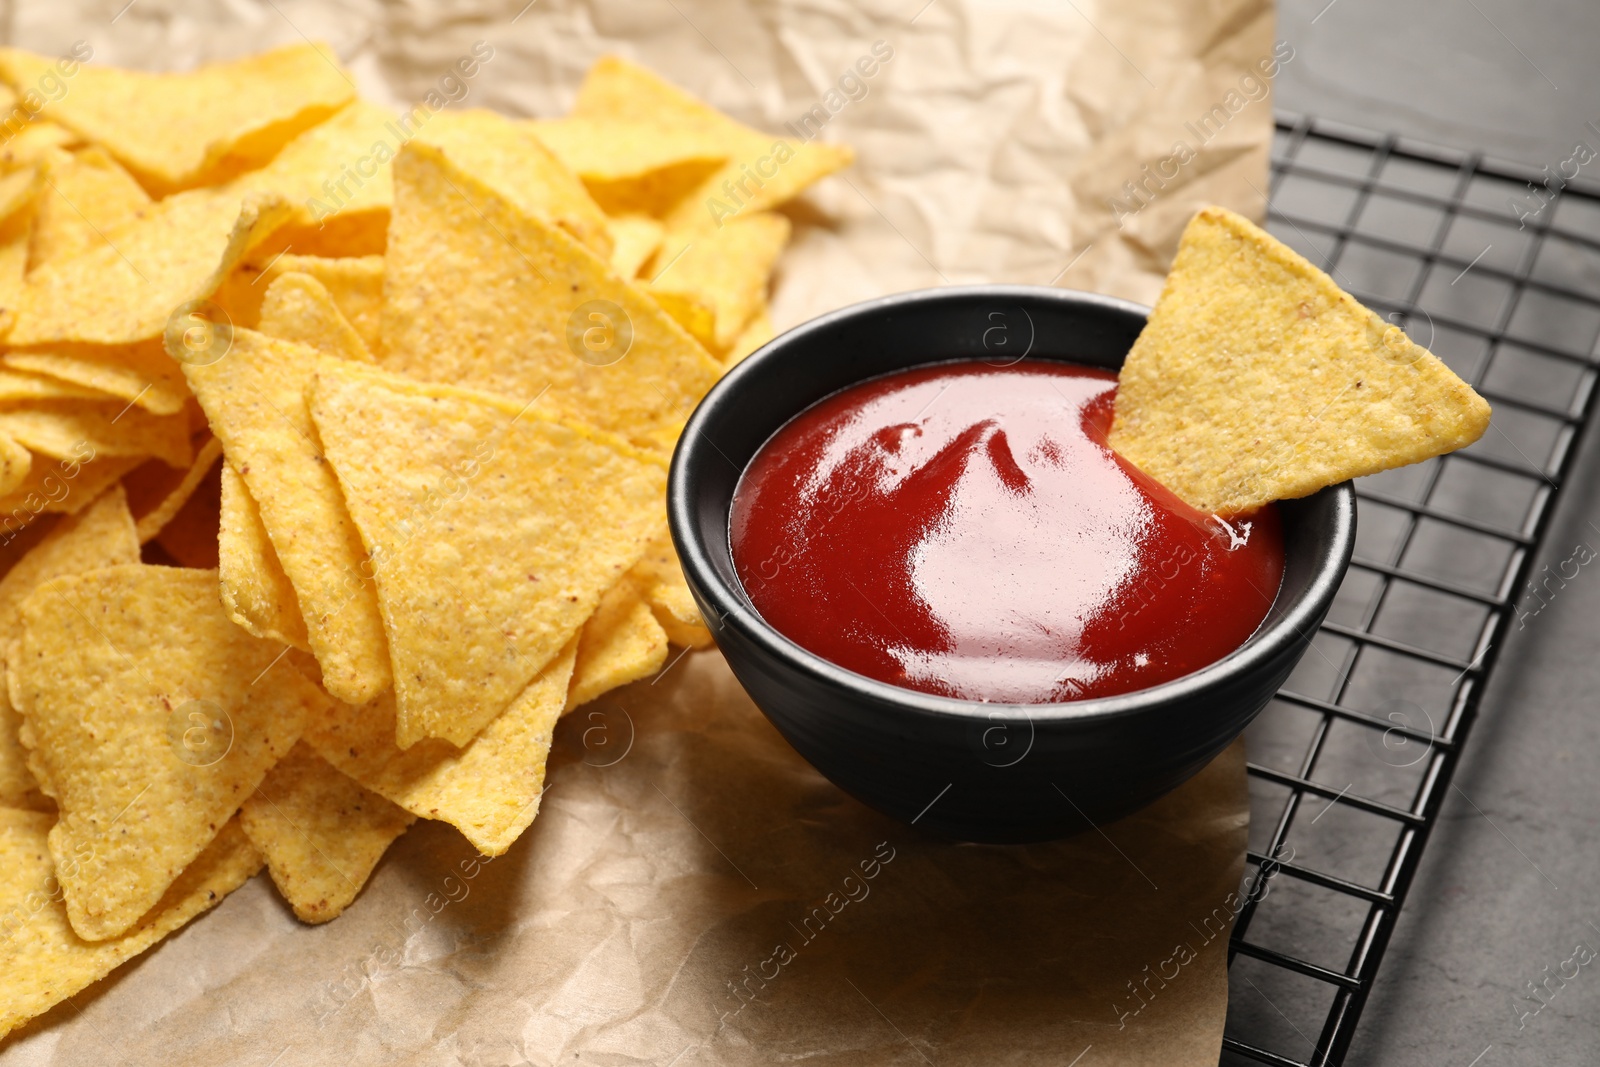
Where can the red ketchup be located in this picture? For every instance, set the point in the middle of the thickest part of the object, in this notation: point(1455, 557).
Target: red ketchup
point(964, 529)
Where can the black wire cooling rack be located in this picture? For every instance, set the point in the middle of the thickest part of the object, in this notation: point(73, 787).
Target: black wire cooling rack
point(1352, 762)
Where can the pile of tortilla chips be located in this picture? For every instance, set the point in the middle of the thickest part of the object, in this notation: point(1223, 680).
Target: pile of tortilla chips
point(333, 445)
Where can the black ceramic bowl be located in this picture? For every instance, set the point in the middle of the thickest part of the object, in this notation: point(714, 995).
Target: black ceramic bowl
point(970, 770)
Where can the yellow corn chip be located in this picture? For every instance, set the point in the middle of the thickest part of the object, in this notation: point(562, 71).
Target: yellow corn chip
point(660, 580)
point(59, 487)
point(86, 198)
point(18, 189)
point(726, 268)
point(761, 172)
point(255, 399)
point(21, 385)
point(175, 131)
point(757, 332)
point(494, 530)
point(297, 307)
point(99, 536)
point(621, 643)
point(15, 463)
point(146, 655)
point(355, 283)
point(480, 294)
point(36, 142)
point(634, 239)
point(336, 178)
point(321, 832)
point(688, 310)
point(15, 231)
point(489, 788)
point(601, 148)
point(255, 592)
point(1258, 379)
point(61, 428)
point(165, 508)
point(42, 961)
point(507, 158)
point(142, 374)
point(128, 290)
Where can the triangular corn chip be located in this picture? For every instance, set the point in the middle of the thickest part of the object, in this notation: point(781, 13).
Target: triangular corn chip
point(494, 530)
point(255, 400)
point(200, 711)
point(634, 239)
point(506, 157)
point(175, 131)
point(297, 307)
point(483, 295)
point(59, 487)
point(762, 170)
point(141, 374)
point(661, 583)
point(16, 462)
point(726, 269)
point(621, 643)
point(688, 310)
point(36, 142)
point(19, 189)
point(129, 289)
point(336, 176)
point(23, 385)
point(86, 197)
point(606, 149)
point(16, 229)
point(158, 500)
point(1258, 379)
point(99, 536)
point(757, 332)
point(354, 282)
point(255, 592)
point(43, 961)
point(489, 789)
point(62, 428)
point(320, 831)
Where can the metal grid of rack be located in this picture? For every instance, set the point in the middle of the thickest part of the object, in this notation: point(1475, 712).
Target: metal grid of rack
point(1352, 762)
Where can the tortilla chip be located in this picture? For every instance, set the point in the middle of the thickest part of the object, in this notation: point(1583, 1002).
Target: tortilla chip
point(36, 142)
point(146, 655)
point(688, 310)
point(355, 284)
point(86, 197)
point(757, 332)
point(175, 131)
point(762, 170)
point(1258, 379)
point(480, 294)
point(15, 231)
point(142, 373)
point(15, 463)
point(255, 592)
point(22, 385)
point(120, 293)
point(18, 189)
point(297, 307)
point(156, 492)
point(320, 831)
point(634, 239)
point(494, 530)
point(661, 583)
point(59, 487)
point(726, 269)
point(61, 428)
point(42, 961)
point(621, 643)
point(99, 536)
point(255, 399)
point(324, 175)
point(489, 789)
point(507, 158)
point(602, 148)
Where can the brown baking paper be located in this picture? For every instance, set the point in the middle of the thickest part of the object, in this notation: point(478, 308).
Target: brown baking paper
point(692, 892)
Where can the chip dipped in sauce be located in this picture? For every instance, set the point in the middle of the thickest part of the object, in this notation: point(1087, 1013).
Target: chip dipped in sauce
point(963, 529)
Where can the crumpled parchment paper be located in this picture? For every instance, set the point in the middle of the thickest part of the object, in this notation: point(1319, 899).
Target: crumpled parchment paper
point(692, 892)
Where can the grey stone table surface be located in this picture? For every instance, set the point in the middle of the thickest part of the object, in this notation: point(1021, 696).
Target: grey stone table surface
point(1509, 889)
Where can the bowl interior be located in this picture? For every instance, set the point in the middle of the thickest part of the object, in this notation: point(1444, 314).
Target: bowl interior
point(998, 324)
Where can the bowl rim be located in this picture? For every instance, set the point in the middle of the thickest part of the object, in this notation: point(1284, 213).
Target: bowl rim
point(732, 609)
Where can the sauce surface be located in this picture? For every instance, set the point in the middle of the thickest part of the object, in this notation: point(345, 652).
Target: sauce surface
point(964, 530)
